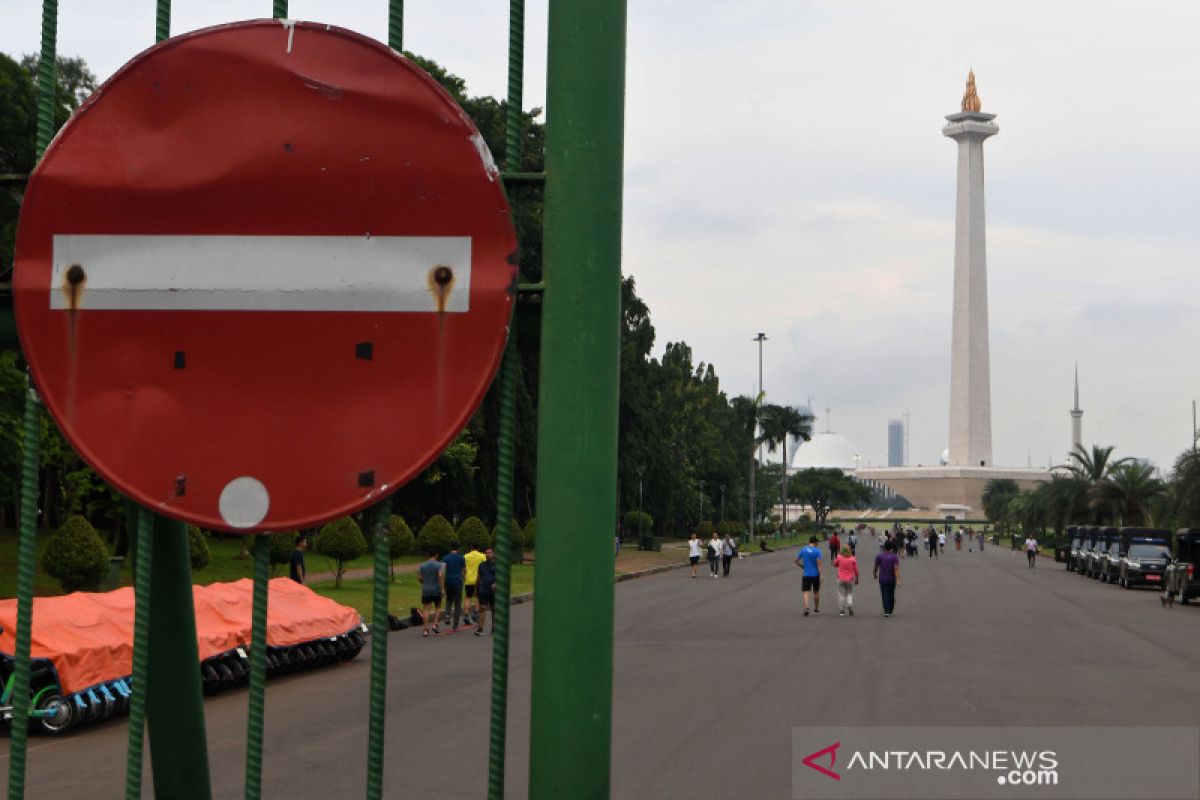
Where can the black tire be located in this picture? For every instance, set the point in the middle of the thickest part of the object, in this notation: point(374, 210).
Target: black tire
point(65, 716)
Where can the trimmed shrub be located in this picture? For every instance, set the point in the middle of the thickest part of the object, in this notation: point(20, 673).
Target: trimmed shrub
point(282, 544)
point(529, 535)
point(631, 520)
point(474, 534)
point(704, 528)
point(729, 527)
point(341, 540)
point(401, 541)
point(76, 555)
point(436, 534)
point(516, 537)
point(198, 548)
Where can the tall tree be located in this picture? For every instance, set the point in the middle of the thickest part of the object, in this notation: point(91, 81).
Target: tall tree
point(996, 495)
point(826, 489)
point(1128, 492)
point(780, 423)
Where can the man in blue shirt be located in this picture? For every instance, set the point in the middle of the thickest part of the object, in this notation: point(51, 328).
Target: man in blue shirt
point(809, 561)
point(456, 568)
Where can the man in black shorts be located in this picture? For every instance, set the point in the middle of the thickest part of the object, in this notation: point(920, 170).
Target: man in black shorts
point(433, 575)
point(486, 591)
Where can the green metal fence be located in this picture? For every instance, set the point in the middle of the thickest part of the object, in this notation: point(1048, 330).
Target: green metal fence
point(570, 743)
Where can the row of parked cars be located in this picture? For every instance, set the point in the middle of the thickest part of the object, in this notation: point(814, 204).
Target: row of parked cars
point(1133, 557)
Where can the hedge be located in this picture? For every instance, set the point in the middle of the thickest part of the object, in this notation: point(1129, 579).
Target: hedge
point(473, 534)
point(341, 540)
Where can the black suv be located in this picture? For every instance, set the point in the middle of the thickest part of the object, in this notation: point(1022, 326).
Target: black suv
point(1087, 543)
point(1145, 553)
point(1062, 545)
point(1109, 564)
point(1078, 553)
point(1098, 555)
point(1181, 580)
point(1073, 541)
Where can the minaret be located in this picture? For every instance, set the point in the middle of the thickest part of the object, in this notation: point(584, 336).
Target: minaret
point(970, 379)
point(1076, 418)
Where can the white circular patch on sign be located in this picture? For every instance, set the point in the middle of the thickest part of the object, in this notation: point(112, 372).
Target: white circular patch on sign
point(244, 502)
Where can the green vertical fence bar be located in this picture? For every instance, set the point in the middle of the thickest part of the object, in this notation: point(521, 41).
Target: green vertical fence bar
point(279, 9)
point(396, 25)
point(27, 547)
point(497, 744)
point(143, 553)
point(571, 722)
point(47, 75)
point(162, 20)
point(142, 557)
point(174, 704)
point(381, 580)
point(258, 666)
point(30, 453)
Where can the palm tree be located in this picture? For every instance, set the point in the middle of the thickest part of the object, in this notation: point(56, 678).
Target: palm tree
point(996, 494)
point(1129, 490)
point(749, 415)
point(1185, 489)
point(778, 424)
point(1092, 467)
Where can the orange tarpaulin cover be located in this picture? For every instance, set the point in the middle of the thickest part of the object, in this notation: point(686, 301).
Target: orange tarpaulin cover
point(88, 636)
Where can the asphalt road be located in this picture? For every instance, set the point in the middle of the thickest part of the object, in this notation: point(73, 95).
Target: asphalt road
point(706, 666)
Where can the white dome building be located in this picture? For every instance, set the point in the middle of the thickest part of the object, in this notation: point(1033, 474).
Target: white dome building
point(826, 450)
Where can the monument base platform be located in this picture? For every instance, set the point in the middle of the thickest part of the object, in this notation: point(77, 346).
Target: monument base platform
point(928, 487)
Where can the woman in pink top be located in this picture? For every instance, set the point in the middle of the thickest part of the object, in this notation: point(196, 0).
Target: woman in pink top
point(847, 578)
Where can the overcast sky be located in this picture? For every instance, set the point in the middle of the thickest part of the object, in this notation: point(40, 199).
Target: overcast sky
point(786, 173)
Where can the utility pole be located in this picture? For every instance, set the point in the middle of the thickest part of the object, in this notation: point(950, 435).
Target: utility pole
point(701, 501)
point(760, 338)
point(904, 460)
point(722, 502)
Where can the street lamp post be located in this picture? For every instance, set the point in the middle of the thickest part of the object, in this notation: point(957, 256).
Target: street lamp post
point(722, 502)
point(760, 338)
point(701, 501)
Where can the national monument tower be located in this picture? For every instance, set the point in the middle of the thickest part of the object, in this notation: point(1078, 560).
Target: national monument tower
point(970, 373)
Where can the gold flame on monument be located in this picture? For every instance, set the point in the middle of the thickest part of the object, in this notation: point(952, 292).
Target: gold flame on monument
point(970, 101)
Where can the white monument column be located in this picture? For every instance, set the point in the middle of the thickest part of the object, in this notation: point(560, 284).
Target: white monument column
point(970, 379)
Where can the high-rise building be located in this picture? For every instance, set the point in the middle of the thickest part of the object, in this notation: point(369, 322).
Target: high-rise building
point(895, 443)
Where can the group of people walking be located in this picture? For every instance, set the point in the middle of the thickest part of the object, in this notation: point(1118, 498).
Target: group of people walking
point(448, 578)
point(886, 572)
point(719, 552)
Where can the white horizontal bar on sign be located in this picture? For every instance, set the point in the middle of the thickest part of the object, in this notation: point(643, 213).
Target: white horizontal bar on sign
point(262, 273)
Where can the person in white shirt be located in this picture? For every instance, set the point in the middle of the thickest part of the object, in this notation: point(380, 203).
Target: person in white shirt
point(694, 551)
point(714, 554)
point(1031, 548)
point(941, 541)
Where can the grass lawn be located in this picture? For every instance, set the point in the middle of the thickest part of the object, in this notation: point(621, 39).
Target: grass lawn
point(404, 593)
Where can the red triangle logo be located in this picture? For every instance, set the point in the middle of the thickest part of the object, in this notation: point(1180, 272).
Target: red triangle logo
point(831, 751)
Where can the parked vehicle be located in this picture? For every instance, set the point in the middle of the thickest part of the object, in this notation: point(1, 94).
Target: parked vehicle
point(1109, 566)
point(1062, 546)
point(1099, 552)
point(1086, 547)
point(1144, 555)
point(1181, 578)
point(1078, 549)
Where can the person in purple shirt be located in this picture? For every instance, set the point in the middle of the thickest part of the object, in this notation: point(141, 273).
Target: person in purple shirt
point(887, 572)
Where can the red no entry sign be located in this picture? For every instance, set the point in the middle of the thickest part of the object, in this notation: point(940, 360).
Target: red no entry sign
point(264, 275)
